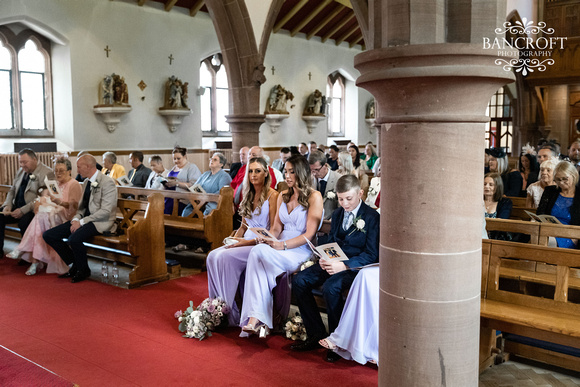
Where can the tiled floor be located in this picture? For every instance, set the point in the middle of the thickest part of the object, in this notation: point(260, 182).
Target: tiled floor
point(519, 374)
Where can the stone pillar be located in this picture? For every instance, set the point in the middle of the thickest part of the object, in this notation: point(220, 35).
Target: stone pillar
point(245, 131)
point(432, 102)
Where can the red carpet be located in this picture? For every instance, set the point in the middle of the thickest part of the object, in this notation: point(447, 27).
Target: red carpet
point(94, 334)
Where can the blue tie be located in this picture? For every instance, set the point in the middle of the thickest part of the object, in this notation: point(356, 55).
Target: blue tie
point(347, 220)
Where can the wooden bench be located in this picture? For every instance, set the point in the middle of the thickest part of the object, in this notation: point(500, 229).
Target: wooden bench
point(11, 231)
point(141, 243)
point(515, 226)
point(518, 201)
point(212, 228)
point(551, 319)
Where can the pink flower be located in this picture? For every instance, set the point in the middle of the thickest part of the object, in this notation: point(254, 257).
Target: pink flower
point(211, 308)
point(178, 314)
point(226, 309)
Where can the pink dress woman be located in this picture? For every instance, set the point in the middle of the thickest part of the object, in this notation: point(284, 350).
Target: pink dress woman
point(32, 244)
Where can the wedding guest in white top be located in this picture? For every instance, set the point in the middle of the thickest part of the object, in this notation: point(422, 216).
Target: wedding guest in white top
point(546, 178)
point(158, 173)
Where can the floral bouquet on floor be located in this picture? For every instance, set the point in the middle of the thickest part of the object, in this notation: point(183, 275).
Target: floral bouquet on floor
point(198, 323)
point(295, 328)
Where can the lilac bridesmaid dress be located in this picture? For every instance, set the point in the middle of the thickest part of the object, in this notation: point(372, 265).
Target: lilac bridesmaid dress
point(225, 267)
point(357, 334)
point(265, 264)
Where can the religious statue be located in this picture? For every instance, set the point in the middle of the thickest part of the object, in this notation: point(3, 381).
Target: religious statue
point(370, 109)
point(113, 91)
point(176, 93)
point(106, 91)
point(278, 99)
point(315, 105)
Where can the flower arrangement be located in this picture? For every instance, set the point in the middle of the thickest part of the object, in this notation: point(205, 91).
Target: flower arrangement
point(199, 322)
point(295, 328)
point(359, 225)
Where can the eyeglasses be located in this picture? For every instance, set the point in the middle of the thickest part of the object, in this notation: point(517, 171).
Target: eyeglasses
point(561, 179)
point(316, 170)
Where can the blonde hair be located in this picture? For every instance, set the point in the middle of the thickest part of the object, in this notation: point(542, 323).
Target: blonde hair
point(249, 192)
point(567, 168)
point(347, 166)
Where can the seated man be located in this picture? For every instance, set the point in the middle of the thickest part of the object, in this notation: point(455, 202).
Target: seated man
point(19, 204)
point(279, 163)
point(355, 227)
point(332, 158)
point(140, 173)
point(158, 172)
point(96, 215)
point(324, 181)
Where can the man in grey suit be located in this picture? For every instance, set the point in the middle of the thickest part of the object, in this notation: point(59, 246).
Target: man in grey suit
point(96, 215)
point(19, 204)
point(324, 180)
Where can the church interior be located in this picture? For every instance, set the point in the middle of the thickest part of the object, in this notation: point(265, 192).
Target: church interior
point(412, 77)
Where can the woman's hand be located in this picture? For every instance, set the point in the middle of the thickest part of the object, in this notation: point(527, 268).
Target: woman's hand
point(276, 245)
point(171, 182)
point(242, 242)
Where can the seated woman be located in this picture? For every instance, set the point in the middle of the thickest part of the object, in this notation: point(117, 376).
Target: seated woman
point(529, 169)
point(563, 200)
point(226, 265)
point(50, 212)
point(512, 180)
point(370, 156)
point(182, 176)
point(298, 216)
point(110, 166)
point(496, 205)
point(536, 190)
point(212, 181)
point(357, 335)
point(353, 166)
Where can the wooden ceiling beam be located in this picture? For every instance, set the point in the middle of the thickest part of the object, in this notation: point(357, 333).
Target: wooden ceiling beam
point(337, 27)
point(196, 7)
point(355, 42)
point(310, 16)
point(347, 34)
point(141, 2)
point(169, 4)
point(346, 3)
point(325, 21)
point(289, 15)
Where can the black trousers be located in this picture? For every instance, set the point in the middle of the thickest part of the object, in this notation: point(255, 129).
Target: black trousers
point(73, 251)
point(332, 290)
point(23, 224)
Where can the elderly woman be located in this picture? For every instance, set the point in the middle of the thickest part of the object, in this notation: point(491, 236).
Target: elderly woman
point(182, 176)
point(32, 248)
point(512, 180)
point(536, 190)
point(563, 200)
point(370, 156)
point(298, 216)
point(110, 166)
point(212, 181)
point(226, 265)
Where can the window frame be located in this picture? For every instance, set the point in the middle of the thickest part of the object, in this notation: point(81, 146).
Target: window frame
point(499, 120)
point(331, 81)
point(213, 69)
point(14, 43)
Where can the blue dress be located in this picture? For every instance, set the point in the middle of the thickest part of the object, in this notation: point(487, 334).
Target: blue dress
point(561, 211)
point(265, 264)
point(211, 183)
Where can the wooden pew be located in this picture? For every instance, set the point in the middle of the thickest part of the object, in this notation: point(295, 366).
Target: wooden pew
point(11, 231)
point(515, 226)
point(213, 228)
point(518, 201)
point(142, 243)
point(554, 320)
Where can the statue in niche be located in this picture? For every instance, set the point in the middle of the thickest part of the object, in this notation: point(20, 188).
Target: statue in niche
point(121, 96)
point(278, 99)
point(106, 91)
point(113, 91)
point(315, 105)
point(370, 109)
point(176, 93)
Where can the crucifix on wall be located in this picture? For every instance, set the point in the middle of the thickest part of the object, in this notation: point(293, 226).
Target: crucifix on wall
point(171, 59)
point(273, 69)
point(107, 49)
point(309, 76)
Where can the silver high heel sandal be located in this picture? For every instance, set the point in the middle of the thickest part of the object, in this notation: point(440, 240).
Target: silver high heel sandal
point(14, 254)
point(259, 329)
point(35, 266)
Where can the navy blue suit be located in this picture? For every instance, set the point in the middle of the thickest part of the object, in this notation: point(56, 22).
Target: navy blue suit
point(362, 248)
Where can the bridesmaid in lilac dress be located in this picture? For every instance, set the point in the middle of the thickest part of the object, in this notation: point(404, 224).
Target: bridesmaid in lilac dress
point(297, 219)
point(226, 265)
point(357, 335)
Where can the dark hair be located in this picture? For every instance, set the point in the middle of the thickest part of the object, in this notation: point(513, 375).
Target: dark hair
point(294, 150)
point(311, 142)
point(40, 189)
point(138, 155)
point(156, 158)
point(317, 156)
point(302, 178)
point(178, 149)
point(346, 183)
point(285, 150)
point(552, 148)
point(356, 161)
point(534, 166)
point(498, 194)
point(303, 143)
point(335, 148)
point(27, 151)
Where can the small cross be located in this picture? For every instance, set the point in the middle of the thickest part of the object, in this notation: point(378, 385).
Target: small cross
point(273, 69)
point(309, 76)
point(171, 59)
point(107, 49)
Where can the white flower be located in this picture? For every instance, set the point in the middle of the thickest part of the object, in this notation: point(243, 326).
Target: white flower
point(32, 177)
point(360, 224)
point(215, 302)
point(330, 195)
point(94, 184)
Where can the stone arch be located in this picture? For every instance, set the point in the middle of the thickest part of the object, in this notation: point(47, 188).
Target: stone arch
point(37, 26)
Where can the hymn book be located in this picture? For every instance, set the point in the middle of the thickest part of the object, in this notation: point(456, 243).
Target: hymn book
point(196, 188)
point(329, 251)
point(124, 181)
point(543, 218)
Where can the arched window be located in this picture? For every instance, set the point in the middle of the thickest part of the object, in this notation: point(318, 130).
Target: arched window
point(215, 104)
point(335, 89)
point(25, 85)
point(499, 130)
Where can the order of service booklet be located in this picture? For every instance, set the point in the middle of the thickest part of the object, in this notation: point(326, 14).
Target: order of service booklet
point(263, 233)
point(329, 251)
point(53, 188)
point(543, 218)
